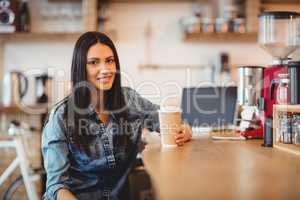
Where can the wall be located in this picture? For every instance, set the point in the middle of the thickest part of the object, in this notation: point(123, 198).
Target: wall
point(167, 48)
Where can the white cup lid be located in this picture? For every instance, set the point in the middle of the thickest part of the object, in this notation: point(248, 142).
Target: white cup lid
point(170, 109)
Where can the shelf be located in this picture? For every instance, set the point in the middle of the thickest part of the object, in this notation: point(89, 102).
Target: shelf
point(220, 37)
point(17, 110)
point(10, 109)
point(279, 1)
point(127, 1)
point(287, 108)
point(148, 1)
point(25, 37)
point(62, 1)
point(290, 148)
point(281, 6)
point(17, 37)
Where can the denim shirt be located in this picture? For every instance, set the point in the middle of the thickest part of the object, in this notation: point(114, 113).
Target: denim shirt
point(102, 173)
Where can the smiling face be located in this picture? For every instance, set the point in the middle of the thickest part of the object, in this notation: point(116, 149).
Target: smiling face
point(101, 66)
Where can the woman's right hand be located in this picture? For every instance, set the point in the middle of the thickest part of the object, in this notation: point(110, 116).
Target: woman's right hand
point(64, 194)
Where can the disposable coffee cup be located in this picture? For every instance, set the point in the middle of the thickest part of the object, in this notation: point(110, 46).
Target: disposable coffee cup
point(170, 122)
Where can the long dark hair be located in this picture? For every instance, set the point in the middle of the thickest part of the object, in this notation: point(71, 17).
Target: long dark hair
point(80, 97)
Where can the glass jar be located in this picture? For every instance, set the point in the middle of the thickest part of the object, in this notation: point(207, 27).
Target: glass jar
point(279, 32)
point(283, 89)
point(191, 24)
point(297, 138)
point(207, 25)
point(239, 25)
point(221, 25)
point(296, 129)
point(285, 128)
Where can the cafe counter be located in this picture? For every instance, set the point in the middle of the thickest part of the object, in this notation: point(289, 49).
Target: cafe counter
point(208, 169)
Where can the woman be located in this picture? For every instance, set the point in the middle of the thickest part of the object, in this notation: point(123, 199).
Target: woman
point(92, 137)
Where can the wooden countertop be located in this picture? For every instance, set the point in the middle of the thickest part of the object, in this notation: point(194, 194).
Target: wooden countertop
point(206, 169)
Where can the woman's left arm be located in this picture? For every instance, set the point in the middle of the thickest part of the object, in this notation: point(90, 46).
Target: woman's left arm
point(151, 118)
point(146, 108)
point(151, 121)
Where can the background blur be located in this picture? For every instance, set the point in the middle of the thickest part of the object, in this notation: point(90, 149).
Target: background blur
point(163, 45)
point(145, 32)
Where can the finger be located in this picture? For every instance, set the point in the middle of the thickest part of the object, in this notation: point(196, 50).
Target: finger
point(188, 133)
point(179, 135)
point(179, 141)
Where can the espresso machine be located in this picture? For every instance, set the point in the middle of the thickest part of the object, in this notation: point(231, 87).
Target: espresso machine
point(279, 35)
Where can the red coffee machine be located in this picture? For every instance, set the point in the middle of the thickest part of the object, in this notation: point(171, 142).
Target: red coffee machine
point(279, 35)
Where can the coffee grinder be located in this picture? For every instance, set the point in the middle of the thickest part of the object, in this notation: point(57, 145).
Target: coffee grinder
point(279, 35)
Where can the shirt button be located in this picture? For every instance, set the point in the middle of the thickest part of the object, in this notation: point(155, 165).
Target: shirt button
point(94, 129)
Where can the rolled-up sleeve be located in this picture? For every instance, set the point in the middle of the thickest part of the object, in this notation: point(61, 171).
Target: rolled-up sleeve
point(148, 109)
point(55, 154)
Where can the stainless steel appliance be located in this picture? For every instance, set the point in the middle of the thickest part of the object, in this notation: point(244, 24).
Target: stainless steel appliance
point(250, 85)
point(15, 86)
point(249, 93)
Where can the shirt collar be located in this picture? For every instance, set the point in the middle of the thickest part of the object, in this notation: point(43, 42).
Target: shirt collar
point(92, 111)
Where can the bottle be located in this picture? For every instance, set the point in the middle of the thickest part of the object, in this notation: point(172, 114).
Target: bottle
point(24, 17)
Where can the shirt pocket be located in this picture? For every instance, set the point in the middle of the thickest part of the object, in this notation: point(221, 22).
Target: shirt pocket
point(79, 157)
point(87, 161)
